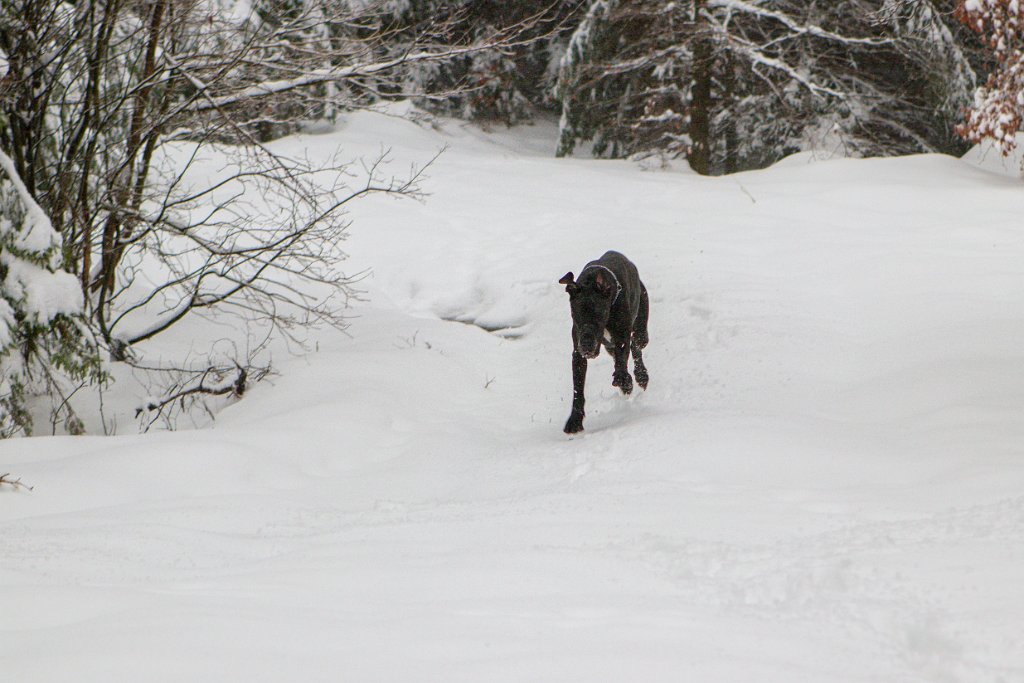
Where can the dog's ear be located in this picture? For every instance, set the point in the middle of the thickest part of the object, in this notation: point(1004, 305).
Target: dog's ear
point(602, 283)
point(567, 280)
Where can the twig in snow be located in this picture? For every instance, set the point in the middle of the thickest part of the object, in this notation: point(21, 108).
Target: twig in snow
point(13, 483)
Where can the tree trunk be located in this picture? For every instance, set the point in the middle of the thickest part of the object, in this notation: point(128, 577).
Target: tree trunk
point(700, 103)
point(730, 158)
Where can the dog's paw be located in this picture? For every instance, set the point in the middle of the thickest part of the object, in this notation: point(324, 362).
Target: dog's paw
point(574, 424)
point(623, 381)
point(641, 378)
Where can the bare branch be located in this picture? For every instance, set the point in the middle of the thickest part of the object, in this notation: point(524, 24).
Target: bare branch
point(13, 483)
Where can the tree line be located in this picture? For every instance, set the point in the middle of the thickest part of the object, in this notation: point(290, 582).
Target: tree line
point(732, 85)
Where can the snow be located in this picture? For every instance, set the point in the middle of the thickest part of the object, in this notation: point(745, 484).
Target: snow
point(824, 481)
point(36, 234)
point(44, 294)
point(988, 155)
point(7, 323)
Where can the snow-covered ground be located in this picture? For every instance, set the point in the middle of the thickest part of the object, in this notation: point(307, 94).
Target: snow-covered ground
point(823, 483)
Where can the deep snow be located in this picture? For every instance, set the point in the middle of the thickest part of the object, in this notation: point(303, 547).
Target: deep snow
point(824, 482)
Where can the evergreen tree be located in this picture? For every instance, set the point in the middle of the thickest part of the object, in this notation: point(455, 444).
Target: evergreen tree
point(735, 84)
point(44, 343)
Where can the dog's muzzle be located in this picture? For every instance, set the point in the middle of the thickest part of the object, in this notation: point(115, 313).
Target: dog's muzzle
point(589, 346)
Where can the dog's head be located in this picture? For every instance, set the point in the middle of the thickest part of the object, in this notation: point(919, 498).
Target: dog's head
point(590, 300)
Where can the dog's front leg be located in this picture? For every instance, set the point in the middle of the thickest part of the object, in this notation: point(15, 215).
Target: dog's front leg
point(639, 369)
point(579, 377)
point(621, 378)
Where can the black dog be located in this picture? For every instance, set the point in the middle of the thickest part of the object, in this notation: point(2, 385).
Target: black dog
point(609, 307)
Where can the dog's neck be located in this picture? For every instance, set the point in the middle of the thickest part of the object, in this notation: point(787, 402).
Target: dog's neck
point(618, 287)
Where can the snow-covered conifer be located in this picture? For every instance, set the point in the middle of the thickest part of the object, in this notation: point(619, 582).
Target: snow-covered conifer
point(43, 343)
point(733, 84)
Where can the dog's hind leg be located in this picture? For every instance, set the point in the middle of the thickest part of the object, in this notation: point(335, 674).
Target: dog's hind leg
point(639, 339)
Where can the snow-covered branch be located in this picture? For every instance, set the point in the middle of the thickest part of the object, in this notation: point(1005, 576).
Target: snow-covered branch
point(328, 75)
point(794, 28)
point(757, 57)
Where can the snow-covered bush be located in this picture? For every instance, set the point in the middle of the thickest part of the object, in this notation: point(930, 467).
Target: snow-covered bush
point(998, 106)
point(44, 345)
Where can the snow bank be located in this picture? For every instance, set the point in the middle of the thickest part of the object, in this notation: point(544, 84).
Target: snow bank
point(988, 156)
